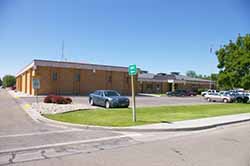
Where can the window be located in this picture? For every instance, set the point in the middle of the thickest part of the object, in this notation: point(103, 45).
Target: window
point(77, 77)
point(149, 86)
point(54, 76)
point(111, 93)
point(110, 79)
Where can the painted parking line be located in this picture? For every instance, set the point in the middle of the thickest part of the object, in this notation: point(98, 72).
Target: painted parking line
point(40, 133)
point(67, 143)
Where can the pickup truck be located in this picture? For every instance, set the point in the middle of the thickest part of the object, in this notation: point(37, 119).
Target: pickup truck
point(208, 92)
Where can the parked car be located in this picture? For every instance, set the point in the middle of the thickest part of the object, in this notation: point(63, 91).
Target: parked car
point(238, 91)
point(108, 99)
point(180, 92)
point(240, 97)
point(208, 92)
point(248, 95)
point(219, 97)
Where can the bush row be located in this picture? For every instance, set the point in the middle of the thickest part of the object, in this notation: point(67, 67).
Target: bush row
point(57, 99)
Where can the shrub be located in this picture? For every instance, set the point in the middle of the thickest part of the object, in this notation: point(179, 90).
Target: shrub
point(47, 99)
point(68, 100)
point(57, 99)
point(13, 88)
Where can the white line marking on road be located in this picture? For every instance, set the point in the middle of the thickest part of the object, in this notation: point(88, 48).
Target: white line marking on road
point(39, 133)
point(67, 143)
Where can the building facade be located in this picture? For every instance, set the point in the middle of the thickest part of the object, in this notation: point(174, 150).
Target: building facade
point(67, 78)
point(161, 83)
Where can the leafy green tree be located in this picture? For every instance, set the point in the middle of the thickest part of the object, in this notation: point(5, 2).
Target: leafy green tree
point(1, 83)
point(234, 63)
point(191, 73)
point(9, 80)
point(214, 77)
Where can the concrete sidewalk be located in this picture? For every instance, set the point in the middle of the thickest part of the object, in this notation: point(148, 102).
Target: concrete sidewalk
point(188, 125)
point(197, 124)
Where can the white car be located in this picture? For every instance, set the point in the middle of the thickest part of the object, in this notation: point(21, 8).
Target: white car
point(220, 97)
point(208, 92)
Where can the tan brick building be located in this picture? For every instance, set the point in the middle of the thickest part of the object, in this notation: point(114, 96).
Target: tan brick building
point(68, 78)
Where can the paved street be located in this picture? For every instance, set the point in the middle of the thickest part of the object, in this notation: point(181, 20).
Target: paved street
point(141, 101)
point(228, 146)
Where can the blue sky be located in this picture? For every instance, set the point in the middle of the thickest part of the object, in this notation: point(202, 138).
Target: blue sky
point(157, 35)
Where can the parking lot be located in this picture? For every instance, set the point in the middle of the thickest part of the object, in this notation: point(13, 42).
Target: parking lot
point(141, 101)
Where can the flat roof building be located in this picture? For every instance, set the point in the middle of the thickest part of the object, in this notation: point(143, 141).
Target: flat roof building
point(162, 82)
point(71, 78)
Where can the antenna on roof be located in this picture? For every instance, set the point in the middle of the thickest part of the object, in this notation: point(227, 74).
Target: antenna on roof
point(62, 56)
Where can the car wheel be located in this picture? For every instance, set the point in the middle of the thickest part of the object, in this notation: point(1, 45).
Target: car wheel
point(107, 104)
point(209, 100)
point(91, 101)
point(245, 100)
point(239, 100)
point(225, 100)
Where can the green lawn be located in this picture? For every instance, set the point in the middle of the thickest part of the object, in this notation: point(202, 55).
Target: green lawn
point(149, 115)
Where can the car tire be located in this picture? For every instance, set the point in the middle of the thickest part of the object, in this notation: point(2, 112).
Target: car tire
point(239, 100)
point(107, 105)
point(209, 100)
point(245, 100)
point(225, 100)
point(91, 102)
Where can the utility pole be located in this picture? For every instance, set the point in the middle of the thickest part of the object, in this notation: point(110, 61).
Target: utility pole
point(62, 55)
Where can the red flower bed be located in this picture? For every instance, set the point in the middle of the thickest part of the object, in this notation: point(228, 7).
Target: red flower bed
point(57, 99)
point(13, 88)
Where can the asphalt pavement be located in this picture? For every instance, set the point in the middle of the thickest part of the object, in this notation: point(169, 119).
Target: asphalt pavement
point(141, 101)
point(225, 146)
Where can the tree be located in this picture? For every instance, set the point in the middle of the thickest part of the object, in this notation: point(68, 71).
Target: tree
point(214, 77)
point(9, 80)
point(234, 63)
point(1, 82)
point(191, 73)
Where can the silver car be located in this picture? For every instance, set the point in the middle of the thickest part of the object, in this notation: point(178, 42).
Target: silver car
point(219, 97)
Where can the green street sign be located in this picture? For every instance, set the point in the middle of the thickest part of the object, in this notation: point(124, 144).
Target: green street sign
point(132, 70)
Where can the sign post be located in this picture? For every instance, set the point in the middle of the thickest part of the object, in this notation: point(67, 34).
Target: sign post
point(36, 86)
point(132, 71)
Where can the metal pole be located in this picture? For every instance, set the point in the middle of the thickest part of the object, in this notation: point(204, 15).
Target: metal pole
point(36, 97)
point(133, 98)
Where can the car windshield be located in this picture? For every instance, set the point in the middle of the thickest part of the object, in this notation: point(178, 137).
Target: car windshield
point(111, 93)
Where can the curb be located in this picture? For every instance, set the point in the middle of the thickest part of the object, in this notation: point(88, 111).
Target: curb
point(127, 129)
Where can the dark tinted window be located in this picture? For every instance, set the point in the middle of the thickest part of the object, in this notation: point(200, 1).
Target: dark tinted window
point(77, 77)
point(54, 76)
point(111, 93)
